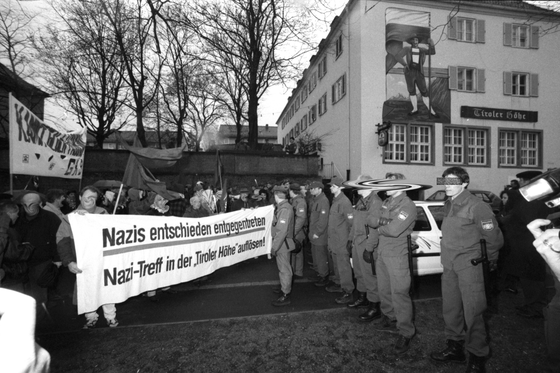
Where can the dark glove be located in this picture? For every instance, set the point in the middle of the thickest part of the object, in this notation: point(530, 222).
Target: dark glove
point(384, 221)
point(368, 256)
point(349, 247)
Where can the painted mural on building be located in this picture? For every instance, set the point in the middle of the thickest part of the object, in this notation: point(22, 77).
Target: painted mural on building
point(415, 91)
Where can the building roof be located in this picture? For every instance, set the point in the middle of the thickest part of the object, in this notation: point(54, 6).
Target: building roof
point(12, 82)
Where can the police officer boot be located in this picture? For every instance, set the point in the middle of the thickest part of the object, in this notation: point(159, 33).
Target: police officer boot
point(373, 312)
point(476, 364)
point(453, 353)
point(361, 302)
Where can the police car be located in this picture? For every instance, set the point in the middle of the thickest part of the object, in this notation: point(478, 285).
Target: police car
point(426, 237)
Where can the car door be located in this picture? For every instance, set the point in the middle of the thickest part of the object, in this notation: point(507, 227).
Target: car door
point(427, 236)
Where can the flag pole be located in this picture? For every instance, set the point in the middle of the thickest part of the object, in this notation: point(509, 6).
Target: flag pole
point(430, 65)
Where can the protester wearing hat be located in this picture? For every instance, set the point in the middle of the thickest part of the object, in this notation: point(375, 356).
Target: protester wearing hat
point(38, 228)
point(364, 241)
point(300, 216)
point(398, 213)
point(341, 217)
point(412, 58)
point(523, 261)
point(318, 232)
point(242, 202)
point(66, 249)
point(282, 243)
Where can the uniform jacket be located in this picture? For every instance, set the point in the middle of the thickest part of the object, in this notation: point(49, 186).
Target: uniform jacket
point(300, 216)
point(341, 217)
point(65, 238)
point(319, 219)
point(467, 220)
point(393, 236)
point(283, 226)
point(359, 234)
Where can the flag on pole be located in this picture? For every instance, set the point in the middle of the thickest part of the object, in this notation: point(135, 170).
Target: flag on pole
point(139, 177)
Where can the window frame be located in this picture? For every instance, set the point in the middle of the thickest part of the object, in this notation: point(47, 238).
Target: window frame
point(461, 29)
point(312, 114)
point(479, 79)
point(406, 144)
point(466, 146)
point(338, 88)
point(323, 104)
point(322, 67)
point(338, 45)
point(532, 85)
point(518, 148)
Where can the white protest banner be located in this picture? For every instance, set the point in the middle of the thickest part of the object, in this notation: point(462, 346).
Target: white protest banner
point(125, 255)
point(40, 150)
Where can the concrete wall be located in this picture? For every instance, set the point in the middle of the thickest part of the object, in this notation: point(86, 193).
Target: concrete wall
point(239, 168)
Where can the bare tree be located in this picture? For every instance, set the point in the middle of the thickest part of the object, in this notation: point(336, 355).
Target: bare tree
point(84, 69)
point(245, 38)
point(132, 24)
point(15, 52)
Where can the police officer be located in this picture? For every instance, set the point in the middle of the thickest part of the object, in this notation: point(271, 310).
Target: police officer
point(393, 273)
point(318, 223)
point(364, 240)
point(341, 217)
point(300, 216)
point(467, 220)
point(282, 243)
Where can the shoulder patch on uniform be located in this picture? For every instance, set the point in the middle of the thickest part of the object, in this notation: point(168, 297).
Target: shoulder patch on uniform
point(301, 210)
point(323, 212)
point(282, 221)
point(350, 216)
point(402, 215)
point(487, 225)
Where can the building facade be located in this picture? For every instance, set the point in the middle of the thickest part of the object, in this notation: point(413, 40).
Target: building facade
point(482, 76)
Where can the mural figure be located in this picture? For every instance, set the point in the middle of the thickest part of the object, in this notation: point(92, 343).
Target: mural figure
point(412, 58)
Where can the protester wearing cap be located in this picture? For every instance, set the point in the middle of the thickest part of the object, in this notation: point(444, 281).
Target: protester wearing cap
point(523, 261)
point(365, 240)
point(283, 243)
point(341, 217)
point(300, 216)
point(318, 229)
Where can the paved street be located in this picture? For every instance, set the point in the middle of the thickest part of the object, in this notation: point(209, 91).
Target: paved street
point(241, 290)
